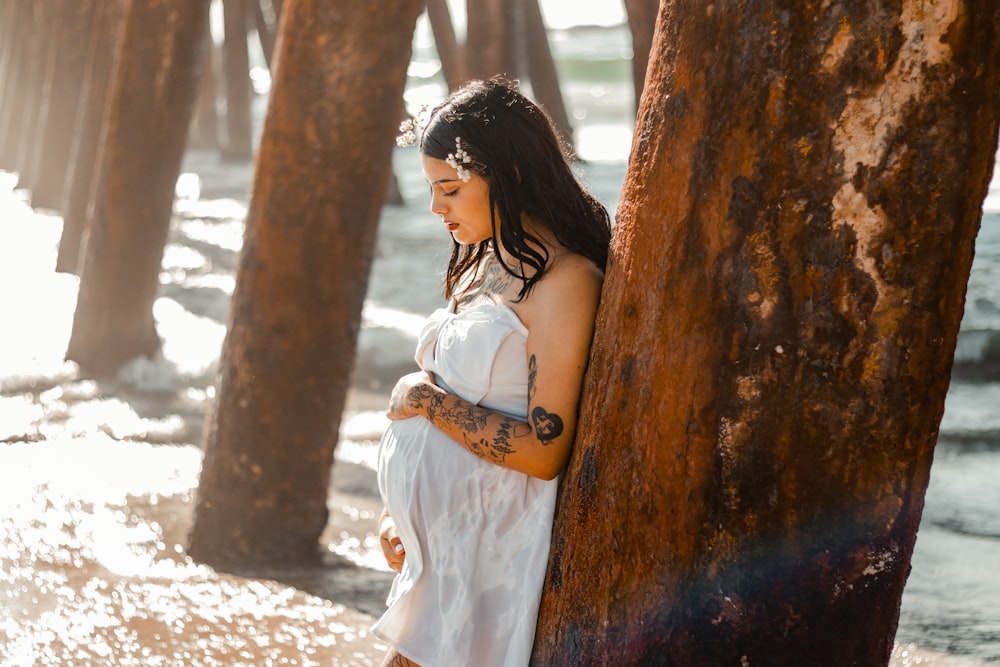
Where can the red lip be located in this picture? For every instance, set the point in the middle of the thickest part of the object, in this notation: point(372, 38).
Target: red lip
point(451, 226)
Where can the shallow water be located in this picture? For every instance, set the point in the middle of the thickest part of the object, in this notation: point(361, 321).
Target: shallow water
point(94, 570)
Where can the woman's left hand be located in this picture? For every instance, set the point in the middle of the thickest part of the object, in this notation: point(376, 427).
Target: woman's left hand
point(401, 403)
point(392, 546)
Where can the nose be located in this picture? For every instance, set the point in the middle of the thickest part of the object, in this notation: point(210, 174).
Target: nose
point(437, 204)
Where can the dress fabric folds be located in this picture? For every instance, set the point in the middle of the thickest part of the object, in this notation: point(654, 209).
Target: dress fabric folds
point(476, 534)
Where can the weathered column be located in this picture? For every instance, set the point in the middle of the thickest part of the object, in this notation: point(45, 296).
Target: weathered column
point(321, 175)
point(86, 155)
point(27, 62)
point(490, 38)
point(266, 22)
point(453, 65)
point(8, 30)
point(542, 70)
point(151, 105)
point(641, 23)
point(69, 43)
point(204, 131)
point(776, 334)
point(236, 74)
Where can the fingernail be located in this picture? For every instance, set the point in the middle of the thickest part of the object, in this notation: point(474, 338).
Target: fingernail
point(398, 548)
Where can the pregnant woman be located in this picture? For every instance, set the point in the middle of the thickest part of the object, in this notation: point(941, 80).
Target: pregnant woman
point(468, 465)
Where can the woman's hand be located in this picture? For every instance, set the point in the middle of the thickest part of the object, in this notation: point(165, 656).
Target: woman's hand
point(392, 546)
point(402, 403)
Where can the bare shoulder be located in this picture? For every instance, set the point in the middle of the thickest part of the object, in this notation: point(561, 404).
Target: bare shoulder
point(571, 284)
point(571, 274)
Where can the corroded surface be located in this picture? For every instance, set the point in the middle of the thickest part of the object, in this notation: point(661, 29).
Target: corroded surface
point(319, 184)
point(776, 334)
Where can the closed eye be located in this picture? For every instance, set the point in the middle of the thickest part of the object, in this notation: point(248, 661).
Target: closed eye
point(451, 193)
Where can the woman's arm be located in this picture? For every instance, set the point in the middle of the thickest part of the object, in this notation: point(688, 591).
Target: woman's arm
point(559, 316)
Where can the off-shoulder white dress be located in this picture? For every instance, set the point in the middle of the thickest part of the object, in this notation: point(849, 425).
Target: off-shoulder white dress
point(476, 534)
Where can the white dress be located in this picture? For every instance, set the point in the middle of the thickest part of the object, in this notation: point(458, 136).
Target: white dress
point(476, 534)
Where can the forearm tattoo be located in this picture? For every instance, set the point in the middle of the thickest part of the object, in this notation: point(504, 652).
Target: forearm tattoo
point(493, 449)
point(471, 420)
point(394, 659)
point(466, 416)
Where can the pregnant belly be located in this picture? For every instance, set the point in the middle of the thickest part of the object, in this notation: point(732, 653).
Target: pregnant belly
point(419, 464)
point(446, 501)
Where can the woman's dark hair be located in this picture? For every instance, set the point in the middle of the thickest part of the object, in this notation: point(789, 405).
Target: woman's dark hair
point(512, 145)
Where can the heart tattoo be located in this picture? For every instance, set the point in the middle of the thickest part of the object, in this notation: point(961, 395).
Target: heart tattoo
point(548, 425)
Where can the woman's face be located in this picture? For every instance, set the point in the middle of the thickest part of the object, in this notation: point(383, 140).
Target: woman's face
point(464, 207)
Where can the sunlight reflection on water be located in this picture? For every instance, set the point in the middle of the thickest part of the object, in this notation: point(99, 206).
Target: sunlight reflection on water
point(94, 571)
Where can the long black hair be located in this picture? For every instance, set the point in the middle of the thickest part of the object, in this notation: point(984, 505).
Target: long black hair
point(510, 143)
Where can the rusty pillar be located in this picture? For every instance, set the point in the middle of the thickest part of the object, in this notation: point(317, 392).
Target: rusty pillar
point(776, 334)
point(70, 42)
point(86, 155)
point(453, 64)
point(151, 104)
point(236, 75)
point(321, 175)
point(27, 63)
point(641, 23)
point(542, 71)
point(490, 38)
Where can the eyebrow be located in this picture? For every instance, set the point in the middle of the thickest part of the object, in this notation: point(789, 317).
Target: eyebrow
point(443, 180)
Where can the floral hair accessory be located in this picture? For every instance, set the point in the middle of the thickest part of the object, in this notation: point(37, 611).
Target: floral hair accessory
point(459, 159)
point(407, 134)
point(408, 128)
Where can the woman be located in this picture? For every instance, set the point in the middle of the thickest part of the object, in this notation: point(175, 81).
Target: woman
point(468, 465)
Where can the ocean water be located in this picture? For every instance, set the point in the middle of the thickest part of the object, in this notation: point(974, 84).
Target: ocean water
point(96, 480)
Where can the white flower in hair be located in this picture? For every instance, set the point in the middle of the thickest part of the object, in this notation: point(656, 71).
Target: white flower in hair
point(459, 159)
point(407, 134)
point(408, 128)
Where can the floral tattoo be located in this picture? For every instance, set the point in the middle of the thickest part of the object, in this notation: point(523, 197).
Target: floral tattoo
point(394, 659)
point(497, 448)
point(469, 418)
